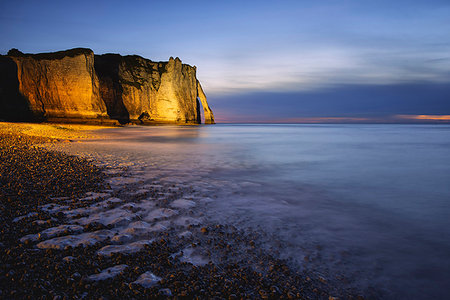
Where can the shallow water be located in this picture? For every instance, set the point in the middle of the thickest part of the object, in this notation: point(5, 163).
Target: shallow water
point(369, 203)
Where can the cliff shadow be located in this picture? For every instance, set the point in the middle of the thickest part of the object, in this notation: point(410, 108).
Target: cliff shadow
point(199, 111)
point(107, 68)
point(207, 112)
point(13, 105)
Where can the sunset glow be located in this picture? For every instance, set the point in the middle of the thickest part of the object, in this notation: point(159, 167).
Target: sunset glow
point(425, 117)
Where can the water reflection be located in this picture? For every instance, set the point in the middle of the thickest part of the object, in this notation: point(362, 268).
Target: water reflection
point(161, 134)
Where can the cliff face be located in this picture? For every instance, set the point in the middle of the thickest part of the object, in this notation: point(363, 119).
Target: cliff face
point(138, 89)
point(57, 85)
point(77, 84)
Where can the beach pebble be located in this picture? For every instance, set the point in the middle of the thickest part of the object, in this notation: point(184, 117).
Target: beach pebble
point(165, 292)
point(182, 204)
point(29, 215)
point(125, 249)
point(160, 213)
point(84, 239)
point(147, 280)
point(68, 259)
point(108, 273)
point(185, 234)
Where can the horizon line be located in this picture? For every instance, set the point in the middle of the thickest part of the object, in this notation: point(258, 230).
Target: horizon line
point(395, 119)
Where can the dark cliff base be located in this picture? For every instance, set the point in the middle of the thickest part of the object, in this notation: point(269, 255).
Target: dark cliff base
point(99, 121)
point(110, 122)
point(32, 176)
point(103, 122)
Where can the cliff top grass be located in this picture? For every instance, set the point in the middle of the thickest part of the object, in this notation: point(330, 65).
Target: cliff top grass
point(52, 55)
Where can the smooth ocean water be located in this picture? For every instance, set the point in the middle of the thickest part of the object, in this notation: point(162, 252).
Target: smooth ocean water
point(370, 203)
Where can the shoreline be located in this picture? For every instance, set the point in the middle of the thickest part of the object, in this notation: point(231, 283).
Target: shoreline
point(220, 261)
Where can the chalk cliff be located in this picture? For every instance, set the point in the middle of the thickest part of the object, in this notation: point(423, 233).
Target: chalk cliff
point(138, 89)
point(52, 85)
point(78, 85)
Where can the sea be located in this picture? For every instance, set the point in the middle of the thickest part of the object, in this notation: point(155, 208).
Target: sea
point(365, 206)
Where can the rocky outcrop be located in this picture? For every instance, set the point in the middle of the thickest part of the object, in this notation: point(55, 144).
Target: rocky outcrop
point(60, 85)
point(138, 89)
point(76, 84)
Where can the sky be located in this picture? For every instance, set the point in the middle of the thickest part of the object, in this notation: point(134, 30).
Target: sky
point(268, 61)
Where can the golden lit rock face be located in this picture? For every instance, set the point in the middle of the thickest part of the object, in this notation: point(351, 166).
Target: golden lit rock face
point(138, 89)
point(61, 85)
point(76, 84)
point(176, 98)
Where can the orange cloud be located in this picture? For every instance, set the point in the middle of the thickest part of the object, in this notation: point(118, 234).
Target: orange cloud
point(233, 118)
point(322, 120)
point(425, 117)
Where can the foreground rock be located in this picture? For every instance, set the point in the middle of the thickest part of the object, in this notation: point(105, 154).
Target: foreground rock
point(76, 85)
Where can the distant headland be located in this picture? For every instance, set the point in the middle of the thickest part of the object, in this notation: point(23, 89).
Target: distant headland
point(77, 86)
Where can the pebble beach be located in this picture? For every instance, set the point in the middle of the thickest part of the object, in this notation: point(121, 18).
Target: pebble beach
point(72, 228)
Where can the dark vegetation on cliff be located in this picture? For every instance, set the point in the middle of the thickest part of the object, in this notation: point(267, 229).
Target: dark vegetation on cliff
point(51, 55)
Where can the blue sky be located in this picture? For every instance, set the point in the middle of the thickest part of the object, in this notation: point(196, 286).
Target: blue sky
point(251, 50)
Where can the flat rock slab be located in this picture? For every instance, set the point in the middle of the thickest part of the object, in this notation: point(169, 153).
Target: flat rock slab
point(108, 273)
point(147, 280)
